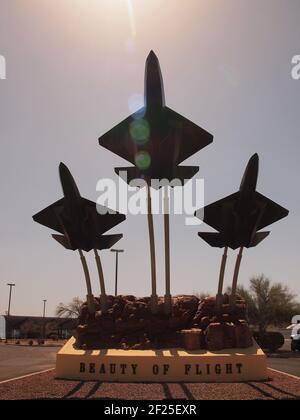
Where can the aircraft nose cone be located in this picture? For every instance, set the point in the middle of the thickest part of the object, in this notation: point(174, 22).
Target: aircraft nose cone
point(255, 158)
point(152, 57)
point(62, 166)
point(63, 170)
point(154, 89)
point(254, 163)
point(249, 180)
point(68, 183)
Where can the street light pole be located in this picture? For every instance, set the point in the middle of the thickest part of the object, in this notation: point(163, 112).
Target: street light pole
point(44, 311)
point(11, 285)
point(117, 252)
point(44, 314)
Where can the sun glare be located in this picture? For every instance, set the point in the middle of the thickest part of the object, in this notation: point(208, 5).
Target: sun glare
point(114, 6)
point(131, 18)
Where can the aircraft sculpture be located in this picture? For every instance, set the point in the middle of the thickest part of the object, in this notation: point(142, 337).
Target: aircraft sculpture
point(239, 220)
point(81, 226)
point(156, 140)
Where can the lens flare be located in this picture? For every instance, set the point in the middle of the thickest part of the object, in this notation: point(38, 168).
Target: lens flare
point(131, 18)
point(140, 131)
point(143, 160)
point(136, 105)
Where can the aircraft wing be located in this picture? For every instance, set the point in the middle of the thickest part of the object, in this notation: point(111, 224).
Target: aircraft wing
point(107, 241)
point(118, 140)
point(103, 219)
point(179, 137)
point(272, 212)
point(258, 238)
point(48, 216)
point(215, 240)
point(185, 138)
point(63, 240)
point(215, 215)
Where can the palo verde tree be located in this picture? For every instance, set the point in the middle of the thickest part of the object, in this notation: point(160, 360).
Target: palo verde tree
point(268, 303)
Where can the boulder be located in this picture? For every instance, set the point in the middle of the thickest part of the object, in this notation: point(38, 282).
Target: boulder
point(128, 323)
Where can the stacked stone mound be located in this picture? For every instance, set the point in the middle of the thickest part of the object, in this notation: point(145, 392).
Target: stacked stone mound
point(193, 324)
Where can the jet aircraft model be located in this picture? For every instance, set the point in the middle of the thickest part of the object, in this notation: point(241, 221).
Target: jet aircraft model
point(81, 226)
point(156, 140)
point(239, 219)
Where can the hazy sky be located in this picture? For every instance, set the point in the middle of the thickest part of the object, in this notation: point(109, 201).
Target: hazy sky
point(73, 65)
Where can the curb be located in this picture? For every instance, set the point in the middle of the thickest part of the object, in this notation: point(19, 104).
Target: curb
point(284, 373)
point(26, 376)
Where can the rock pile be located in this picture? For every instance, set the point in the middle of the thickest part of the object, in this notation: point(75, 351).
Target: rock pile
point(193, 324)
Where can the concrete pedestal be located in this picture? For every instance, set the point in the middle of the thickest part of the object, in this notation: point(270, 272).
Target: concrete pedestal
point(170, 365)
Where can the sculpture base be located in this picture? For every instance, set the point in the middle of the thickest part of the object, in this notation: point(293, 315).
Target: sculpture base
point(170, 365)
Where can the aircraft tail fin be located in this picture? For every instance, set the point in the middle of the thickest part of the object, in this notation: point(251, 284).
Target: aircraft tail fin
point(107, 241)
point(63, 240)
point(213, 239)
point(258, 238)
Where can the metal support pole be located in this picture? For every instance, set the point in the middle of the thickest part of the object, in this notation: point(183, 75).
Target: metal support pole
point(154, 297)
point(90, 297)
point(117, 251)
point(219, 298)
point(44, 310)
point(44, 315)
point(103, 297)
point(168, 297)
point(235, 278)
point(8, 327)
point(11, 285)
point(116, 274)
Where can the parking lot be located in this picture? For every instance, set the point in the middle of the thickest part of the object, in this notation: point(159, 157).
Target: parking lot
point(17, 361)
point(290, 366)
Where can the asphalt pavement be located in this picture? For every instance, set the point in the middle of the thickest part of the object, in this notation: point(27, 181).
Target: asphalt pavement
point(290, 366)
point(18, 361)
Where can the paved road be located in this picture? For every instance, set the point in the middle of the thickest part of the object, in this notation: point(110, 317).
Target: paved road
point(287, 345)
point(18, 361)
point(291, 366)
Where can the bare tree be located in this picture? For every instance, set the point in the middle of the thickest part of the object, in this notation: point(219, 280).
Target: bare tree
point(70, 310)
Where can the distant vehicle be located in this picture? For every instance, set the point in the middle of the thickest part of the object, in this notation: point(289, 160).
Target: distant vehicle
point(295, 336)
